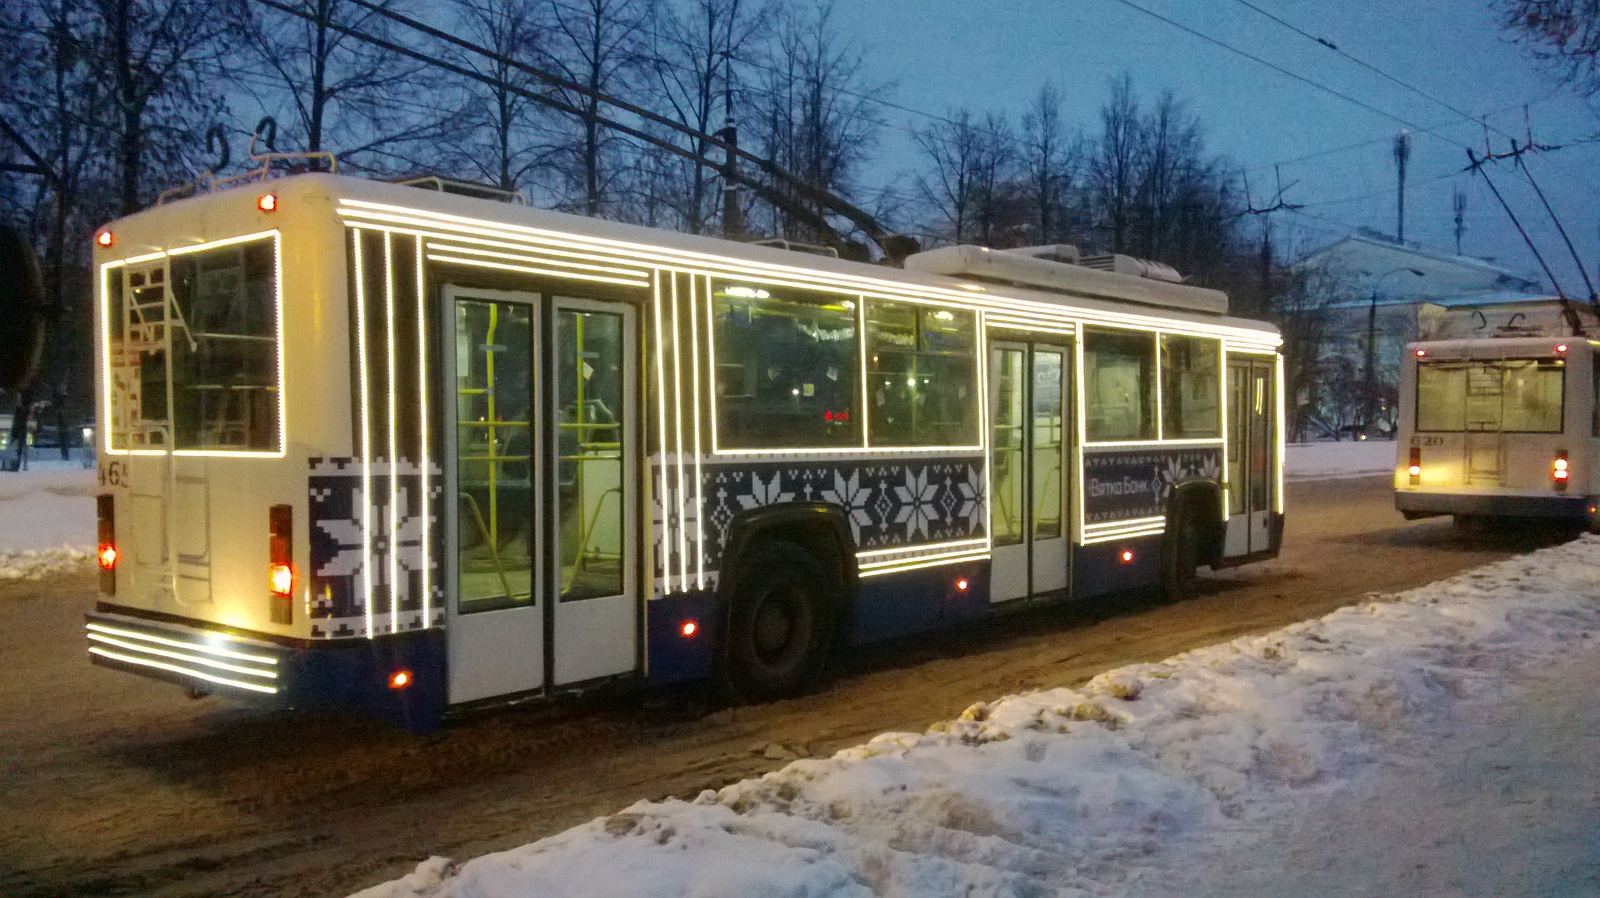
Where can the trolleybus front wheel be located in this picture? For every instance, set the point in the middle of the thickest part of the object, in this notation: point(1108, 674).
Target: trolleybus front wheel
point(779, 623)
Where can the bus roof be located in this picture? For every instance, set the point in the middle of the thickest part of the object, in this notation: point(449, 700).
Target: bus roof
point(1095, 294)
point(1498, 347)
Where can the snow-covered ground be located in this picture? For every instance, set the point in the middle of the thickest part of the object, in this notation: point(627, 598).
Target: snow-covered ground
point(46, 519)
point(1309, 461)
point(1439, 742)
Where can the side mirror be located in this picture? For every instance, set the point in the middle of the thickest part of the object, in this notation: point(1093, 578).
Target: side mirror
point(21, 299)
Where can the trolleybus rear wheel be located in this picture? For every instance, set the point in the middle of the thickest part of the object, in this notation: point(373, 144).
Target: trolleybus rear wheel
point(780, 621)
point(1180, 559)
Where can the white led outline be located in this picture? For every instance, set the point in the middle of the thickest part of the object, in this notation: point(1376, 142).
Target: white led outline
point(176, 643)
point(209, 678)
point(699, 495)
point(1282, 441)
point(939, 562)
point(835, 282)
point(528, 269)
point(180, 656)
point(105, 347)
point(677, 394)
point(926, 547)
point(366, 433)
point(422, 398)
point(631, 273)
point(661, 428)
point(394, 437)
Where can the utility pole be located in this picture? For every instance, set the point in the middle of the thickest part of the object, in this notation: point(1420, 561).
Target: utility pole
point(1402, 152)
point(1460, 200)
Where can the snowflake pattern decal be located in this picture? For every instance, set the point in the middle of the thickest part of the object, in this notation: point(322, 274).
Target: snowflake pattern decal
point(1123, 485)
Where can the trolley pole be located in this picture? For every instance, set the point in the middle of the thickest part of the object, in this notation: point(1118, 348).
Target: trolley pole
point(732, 215)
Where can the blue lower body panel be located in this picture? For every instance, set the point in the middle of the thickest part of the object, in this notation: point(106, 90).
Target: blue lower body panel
point(672, 655)
point(1101, 568)
point(354, 673)
point(907, 602)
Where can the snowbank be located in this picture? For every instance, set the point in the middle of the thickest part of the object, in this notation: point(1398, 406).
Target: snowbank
point(1318, 461)
point(1090, 791)
point(46, 520)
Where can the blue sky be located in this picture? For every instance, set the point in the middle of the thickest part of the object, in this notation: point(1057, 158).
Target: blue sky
point(944, 54)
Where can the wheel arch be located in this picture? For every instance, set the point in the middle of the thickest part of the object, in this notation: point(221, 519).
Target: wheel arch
point(1202, 499)
point(818, 527)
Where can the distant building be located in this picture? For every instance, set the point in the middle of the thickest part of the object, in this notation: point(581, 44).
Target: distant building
point(1403, 292)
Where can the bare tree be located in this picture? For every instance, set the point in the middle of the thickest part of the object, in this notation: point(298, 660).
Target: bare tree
point(600, 45)
point(1113, 164)
point(337, 91)
point(493, 142)
point(814, 112)
point(1563, 33)
point(160, 54)
point(971, 185)
point(693, 82)
point(1050, 159)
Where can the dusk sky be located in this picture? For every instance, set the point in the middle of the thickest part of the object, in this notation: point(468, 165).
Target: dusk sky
point(944, 54)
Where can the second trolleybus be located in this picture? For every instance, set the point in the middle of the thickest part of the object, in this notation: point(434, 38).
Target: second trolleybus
point(374, 446)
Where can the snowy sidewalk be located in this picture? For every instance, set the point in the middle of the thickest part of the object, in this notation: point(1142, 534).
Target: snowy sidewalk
point(1440, 742)
point(46, 520)
point(1325, 461)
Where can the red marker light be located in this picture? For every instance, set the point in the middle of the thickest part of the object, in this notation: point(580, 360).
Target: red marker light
point(1126, 556)
point(689, 628)
point(827, 416)
point(281, 578)
point(105, 238)
point(1561, 347)
point(400, 679)
point(267, 202)
point(1422, 353)
point(107, 556)
point(962, 584)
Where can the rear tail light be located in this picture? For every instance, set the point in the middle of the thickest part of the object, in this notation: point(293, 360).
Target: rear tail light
point(280, 570)
point(106, 540)
point(1558, 470)
point(1415, 467)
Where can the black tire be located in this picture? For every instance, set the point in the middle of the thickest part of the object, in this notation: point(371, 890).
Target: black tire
point(1180, 560)
point(780, 622)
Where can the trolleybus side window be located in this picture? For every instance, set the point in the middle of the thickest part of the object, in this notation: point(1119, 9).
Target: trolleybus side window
point(1119, 384)
point(787, 363)
point(1191, 390)
point(922, 375)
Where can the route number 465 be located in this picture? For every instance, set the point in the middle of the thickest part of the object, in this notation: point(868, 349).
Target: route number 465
point(114, 473)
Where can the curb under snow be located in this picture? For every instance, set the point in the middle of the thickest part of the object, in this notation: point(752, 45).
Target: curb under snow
point(1070, 791)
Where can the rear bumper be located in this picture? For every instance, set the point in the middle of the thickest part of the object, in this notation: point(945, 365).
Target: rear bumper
point(275, 673)
point(1419, 504)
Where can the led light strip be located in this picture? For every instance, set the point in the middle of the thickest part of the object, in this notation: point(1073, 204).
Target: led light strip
point(663, 496)
point(181, 656)
point(1282, 441)
point(1152, 444)
point(677, 394)
point(939, 561)
point(173, 668)
point(636, 274)
point(427, 462)
point(602, 248)
point(1132, 534)
point(282, 379)
point(699, 496)
point(394, 437)
point(529, 269)
point(917, 551)
point(176, 643)
point(366, 432)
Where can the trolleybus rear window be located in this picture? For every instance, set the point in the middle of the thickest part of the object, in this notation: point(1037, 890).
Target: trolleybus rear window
point(1507, 395)
point(211, 330)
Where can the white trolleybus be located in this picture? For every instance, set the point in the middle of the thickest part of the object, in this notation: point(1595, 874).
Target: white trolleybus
point(371, 445)
point(1499, 427)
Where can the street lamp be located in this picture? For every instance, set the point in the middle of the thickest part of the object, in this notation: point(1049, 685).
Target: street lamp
point(1370, 388)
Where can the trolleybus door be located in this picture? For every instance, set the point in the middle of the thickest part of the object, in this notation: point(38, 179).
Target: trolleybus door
point(541, 448)
point(1251, 407)
point(595, 475)
point(1028, 465)
point(495, 623)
